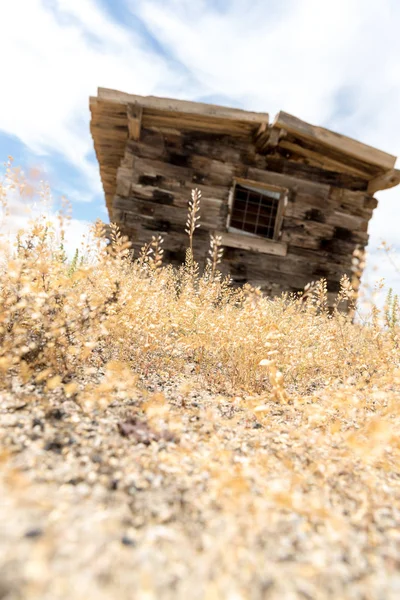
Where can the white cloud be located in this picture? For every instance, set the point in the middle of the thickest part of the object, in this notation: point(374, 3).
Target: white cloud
point(55, 55)
point(297, 60)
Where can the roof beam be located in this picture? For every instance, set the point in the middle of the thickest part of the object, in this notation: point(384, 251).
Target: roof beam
point(335, 141)
point(134, 113)
point(383, 182)
point(322, 160)
point(184, 106)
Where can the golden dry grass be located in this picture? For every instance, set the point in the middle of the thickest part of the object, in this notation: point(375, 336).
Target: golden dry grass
point(310, 397)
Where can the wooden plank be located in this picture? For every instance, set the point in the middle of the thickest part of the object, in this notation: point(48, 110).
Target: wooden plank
point(262, 185)
point(383, 182)
point(159, 167)
point(134, 113)
point(294, 184)
point(348, 221)
point(329, 153)
point(261, 136)
point(184, 106)
point(262, 130)
point(138, 210)
point(310, 229)
point(252, 243)
point(353, 203)
point(212, 172)
point(370, 202)
point(314, 173)
point(178, 196)
point(330, 139)
point(142, 149)
point(197, 123)
point(228, 149)
point(322, 160)
point(113, 134)
point(269, 139)
point(262, 266)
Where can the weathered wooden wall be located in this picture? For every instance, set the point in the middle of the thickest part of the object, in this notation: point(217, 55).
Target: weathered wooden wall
point(325, 219)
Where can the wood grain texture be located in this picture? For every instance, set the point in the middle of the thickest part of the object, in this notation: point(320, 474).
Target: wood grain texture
point(252, 243)
point(170, 105)
point(385, 181)
point(134, 113)
point(336, 141)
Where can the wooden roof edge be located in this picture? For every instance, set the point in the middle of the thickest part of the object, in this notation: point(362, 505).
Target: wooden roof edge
point(183, 106)
point(390, 177)
point(385, 181)
point(330, 139)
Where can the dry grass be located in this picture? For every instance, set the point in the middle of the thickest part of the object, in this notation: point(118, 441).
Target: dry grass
point(282, 419)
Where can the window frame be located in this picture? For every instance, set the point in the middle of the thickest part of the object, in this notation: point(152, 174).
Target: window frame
point(282, 203)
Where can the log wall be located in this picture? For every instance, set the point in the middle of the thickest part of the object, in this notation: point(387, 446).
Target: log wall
point(326, 216)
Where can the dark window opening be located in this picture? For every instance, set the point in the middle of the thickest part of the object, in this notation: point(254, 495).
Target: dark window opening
point(315, 215)
point(255, 211)
point(153, 180)
point(341, 233)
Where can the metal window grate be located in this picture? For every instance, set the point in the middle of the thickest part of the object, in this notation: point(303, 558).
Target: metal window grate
point(255, 211)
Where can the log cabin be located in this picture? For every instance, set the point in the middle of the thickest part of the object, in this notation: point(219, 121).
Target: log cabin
point(291, 201)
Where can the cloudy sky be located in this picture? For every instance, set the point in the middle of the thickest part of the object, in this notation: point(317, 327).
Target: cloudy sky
point(334, 63)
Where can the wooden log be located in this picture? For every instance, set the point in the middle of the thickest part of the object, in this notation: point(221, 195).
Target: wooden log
point(370, 202)
point(272, 268)
point(157, 167)
point(319, 159)
point(195, 123)
point(175, 196)
point(113, 120)
point(175, 242)
point(267, 138)
point(294, 184)
point(384, 181)
point(124, 184)
point(340, 247)
point(313, 173)
point(162, 183)
point(309, 234)
point(225, 150)
point(253, 243)
point(134, 112)
point(183, 106)
point(110, 134)
point(297, 239)
point(347, 221)
point(262, 130)
point(335, 141)
point(262, 186)
point(136, 210)
point(360, 238)
point(353, 203)
point(212, 171)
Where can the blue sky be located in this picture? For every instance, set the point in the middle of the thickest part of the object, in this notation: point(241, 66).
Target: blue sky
point(333, 63)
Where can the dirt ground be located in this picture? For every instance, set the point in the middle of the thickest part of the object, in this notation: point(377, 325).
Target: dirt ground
point(199, 497)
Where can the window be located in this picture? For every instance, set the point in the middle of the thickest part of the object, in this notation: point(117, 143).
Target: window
point(256, 210)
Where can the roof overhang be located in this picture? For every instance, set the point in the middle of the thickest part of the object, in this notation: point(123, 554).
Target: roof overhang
point(117, 117)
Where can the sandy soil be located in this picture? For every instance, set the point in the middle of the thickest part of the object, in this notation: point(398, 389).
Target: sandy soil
point(197, 497)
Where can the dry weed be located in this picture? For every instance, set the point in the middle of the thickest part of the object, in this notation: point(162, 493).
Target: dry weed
point(241, 446)
point(62, 319)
